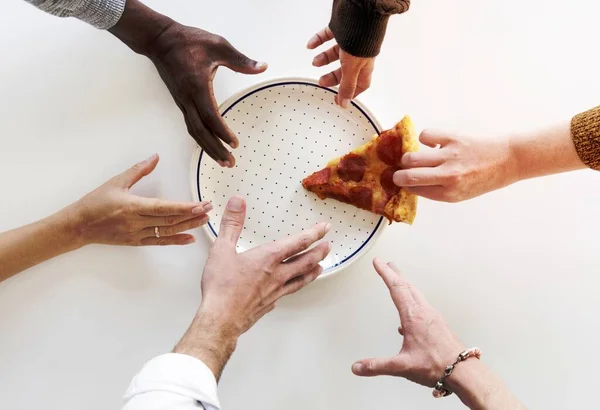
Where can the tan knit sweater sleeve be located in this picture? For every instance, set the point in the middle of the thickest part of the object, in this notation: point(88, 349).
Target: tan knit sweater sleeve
point(585, 130)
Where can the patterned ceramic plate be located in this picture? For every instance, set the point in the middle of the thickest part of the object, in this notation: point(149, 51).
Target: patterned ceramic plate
point(288, 129)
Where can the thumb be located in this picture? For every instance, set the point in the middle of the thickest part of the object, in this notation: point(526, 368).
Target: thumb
point(130, 177)
point(378, 367)
point(232, 221)
point(236, 61)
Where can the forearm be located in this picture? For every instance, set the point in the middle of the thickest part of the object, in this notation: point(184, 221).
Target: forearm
point(359, 26)
point(30, 245)
point(210, 341)
point(101, 14)
point(545, 152)
point(140, 26)
point(480, 389)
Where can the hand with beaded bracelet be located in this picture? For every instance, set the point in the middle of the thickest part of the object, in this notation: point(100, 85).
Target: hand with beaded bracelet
point(432, 355)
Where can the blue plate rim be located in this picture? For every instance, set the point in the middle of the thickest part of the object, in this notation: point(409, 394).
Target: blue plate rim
point(278, 83)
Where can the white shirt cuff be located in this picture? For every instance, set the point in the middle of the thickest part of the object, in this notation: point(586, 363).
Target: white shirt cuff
point(174, 377)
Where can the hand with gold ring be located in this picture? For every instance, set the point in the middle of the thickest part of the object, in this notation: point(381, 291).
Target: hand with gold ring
point(113, 215)
point(109, 215)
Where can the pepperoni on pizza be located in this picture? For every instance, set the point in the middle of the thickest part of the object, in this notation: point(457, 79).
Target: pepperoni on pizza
point(364, 177)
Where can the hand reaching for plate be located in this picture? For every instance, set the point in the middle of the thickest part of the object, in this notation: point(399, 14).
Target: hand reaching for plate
point(428, 346)
point(354, 75)
point(240, 288)
point(187, 59)
point(112, 215)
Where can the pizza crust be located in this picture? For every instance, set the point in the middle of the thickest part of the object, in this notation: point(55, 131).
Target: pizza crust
point(403, 206)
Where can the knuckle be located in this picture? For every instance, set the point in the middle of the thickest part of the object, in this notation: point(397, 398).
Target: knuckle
point(398, 283)
point(241, 60)
point(220, 41)
point(231, 222)
point(305, 241)
point(426, 134)
point(453, 176)
point(136, 168)
point(454, 154)
point(371, 366)
point(162, 242)
point(408, 160)
point(159, 208)
point(296, 286)
point(309, 278)
point(275, 249)
point(170, 220)
point(308, 263)
point(269, 272)
point(412, 179)
point(416, 313)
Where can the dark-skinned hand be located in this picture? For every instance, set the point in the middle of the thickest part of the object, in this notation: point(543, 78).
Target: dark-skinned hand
point(187, 62)
point(187, 59)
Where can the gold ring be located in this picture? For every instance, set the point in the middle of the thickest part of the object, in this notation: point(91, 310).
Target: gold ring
point(156, 232)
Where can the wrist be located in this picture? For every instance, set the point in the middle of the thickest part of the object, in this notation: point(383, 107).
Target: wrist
point(515, 157)
point(209, 339)
point(358, 32)
point(468, 383)
point(66, 227)
point(140, 27)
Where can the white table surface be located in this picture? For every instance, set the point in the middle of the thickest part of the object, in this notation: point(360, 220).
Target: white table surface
point(514, 272)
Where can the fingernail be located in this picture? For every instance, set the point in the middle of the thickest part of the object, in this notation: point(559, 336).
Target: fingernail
point(198, 210)
point(345, 103)
point(235, 204)
point(208, 207)
point(152, 157)
point(357, 367)
point(394, 267)
point(190, 240)
point(327, 227)
point(234, 144)
point(260, 65)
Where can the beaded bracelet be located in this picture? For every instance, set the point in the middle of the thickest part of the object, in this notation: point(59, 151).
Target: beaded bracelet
point(439, 390)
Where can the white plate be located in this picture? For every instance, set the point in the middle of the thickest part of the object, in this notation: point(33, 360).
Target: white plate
point(288, 128)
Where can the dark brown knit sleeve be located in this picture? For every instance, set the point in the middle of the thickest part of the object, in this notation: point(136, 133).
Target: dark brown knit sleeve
point(359, 25)
point(585, 130)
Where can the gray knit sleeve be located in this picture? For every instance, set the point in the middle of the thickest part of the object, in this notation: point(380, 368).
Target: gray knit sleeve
point(102, 14)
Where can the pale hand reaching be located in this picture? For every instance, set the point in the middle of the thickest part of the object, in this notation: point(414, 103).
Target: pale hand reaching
point(110, 215)
point(457, 168)
point(428, 346)
point(240, 288)
point(354, 74)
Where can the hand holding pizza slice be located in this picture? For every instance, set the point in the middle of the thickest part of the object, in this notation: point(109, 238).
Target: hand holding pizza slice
point(364, 177)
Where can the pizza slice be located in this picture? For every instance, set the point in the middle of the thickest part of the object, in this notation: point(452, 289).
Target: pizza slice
point(364, 177)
